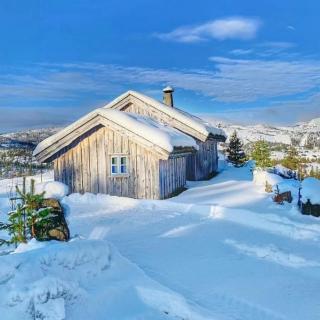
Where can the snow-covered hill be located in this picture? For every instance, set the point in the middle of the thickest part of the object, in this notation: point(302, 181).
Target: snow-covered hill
point(25, 139)
point(304, 134)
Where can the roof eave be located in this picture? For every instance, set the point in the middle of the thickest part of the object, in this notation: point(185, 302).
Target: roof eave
point(96, 119)
point(217, 137)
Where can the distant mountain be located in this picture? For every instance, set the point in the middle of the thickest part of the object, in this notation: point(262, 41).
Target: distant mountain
point(304, 134)
point(25, 139)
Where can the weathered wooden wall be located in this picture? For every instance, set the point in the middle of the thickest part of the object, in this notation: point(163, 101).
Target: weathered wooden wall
point(85, 166)
point(202, 164)
point(172, 176)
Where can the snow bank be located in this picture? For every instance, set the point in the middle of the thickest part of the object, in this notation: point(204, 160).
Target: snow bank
point(272, 254)
point(175, 305)
point(310, 190)
point(260, 177)
point(287, 185)
point(271, 223)
point(84, 279)
point(41, 281)
point(52, 189)
point(284, 172)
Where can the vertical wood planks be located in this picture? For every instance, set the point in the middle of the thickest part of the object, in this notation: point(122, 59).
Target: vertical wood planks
point(85, 166)
point(101, 161)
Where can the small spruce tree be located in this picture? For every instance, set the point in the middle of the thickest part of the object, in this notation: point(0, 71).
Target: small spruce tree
point(291, 160)
point(261, 154)
point(235, 150)
point(27, 215)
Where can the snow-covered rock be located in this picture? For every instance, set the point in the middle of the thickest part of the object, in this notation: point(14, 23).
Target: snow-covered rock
point(287, 185)
point(284, 172)
point(261, 177)
point(310, 190)
point(52, 189)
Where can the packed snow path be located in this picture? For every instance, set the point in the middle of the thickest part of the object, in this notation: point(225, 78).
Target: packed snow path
point(221, 250)
point(256, 260)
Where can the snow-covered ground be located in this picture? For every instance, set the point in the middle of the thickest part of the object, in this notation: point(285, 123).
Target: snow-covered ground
point(221, 250)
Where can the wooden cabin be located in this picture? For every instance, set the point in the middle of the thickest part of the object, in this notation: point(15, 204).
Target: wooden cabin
point(202, 164)
point(131, 148)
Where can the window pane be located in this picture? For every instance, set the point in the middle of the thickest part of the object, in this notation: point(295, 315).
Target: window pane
point(114, 169)
point(123, 160)
point(123, 169)
point(114, 160)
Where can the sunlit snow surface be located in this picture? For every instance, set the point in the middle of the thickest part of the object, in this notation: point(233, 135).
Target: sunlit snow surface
point(220, 250)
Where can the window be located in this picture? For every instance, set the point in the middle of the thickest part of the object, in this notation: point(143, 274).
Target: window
point(123, 164)
point(119, 165)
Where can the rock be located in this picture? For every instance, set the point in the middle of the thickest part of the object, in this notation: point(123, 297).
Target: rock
point(56, 227)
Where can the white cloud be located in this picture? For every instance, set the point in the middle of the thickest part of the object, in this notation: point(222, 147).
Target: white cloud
point(231, 81)
point(267, 49)
point(277, 44)
point(250, 80)
point(220, 29)
point(241, 52)
point(36, 117)
point(280, 113)
point(275, 47)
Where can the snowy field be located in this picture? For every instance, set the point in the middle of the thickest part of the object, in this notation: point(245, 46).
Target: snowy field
point(221, 250)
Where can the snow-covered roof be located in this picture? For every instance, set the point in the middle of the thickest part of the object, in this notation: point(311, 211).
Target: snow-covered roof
point(195, 123)
point(156, 133)
point(160, 134)
point(310, 190)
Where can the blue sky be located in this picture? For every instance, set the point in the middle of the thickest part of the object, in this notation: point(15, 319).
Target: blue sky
point(242, 61)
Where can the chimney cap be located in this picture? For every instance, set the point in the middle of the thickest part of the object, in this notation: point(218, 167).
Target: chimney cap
point(168, 89)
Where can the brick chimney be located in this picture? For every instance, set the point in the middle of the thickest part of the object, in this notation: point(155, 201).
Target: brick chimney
point(168, 96)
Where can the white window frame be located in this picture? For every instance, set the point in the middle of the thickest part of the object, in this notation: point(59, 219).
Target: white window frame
point(118, 165)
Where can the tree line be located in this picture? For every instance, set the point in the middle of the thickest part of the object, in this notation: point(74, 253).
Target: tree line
point(261, 154)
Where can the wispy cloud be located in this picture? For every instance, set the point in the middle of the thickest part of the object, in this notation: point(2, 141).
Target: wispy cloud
point(58, 84)
point(243, 80)
point(279, 113)
point(241, 52)
point(231, 82)
point(19, 118)
point(277, 44)
point(271, 48)
point(266, 49)
point(220, 29)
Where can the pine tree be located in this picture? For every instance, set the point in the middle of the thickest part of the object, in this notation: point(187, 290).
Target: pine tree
point(235, 150)
point(27, 215)
point(261, 154)
point(291, 160)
